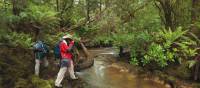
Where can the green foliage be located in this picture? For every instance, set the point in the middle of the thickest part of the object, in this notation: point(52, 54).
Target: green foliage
point(8, 18)
point(15, 64)
point(192, 63)
point(54, 39)
point(22, 83)
point(162, 48)
point(148, 18)
point(192, 52)
point(17, 39)
point(41, 15)
point(133, 24)
point(156, 53)
point(123, 39)
point(102, 40)
point(40, 83)
point(186, 49)
point(170, 37)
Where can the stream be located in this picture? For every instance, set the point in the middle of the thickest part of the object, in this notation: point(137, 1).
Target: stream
point(107, 72)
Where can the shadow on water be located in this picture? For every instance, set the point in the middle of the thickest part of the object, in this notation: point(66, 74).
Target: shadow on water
point(108, 73)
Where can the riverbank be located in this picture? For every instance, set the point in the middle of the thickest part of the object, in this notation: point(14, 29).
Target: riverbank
point(176, 76)
point(159, 77)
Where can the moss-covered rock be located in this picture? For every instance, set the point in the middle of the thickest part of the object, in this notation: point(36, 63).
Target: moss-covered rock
point(40, 83)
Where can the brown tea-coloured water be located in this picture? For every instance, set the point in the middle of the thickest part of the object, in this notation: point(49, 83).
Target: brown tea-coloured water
point(106, 73)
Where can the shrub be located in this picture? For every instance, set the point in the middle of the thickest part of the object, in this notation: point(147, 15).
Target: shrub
point(17, 39)
point(166, 46)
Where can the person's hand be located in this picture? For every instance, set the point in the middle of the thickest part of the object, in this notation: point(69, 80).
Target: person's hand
point(72, 42)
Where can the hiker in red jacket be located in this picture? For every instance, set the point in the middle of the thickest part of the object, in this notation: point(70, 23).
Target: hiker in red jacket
point(66, 62)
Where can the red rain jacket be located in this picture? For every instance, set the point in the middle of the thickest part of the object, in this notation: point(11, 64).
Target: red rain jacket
point(65, 50)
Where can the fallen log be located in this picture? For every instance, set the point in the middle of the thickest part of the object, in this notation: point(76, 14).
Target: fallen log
point(85, 50)
point(86, 62)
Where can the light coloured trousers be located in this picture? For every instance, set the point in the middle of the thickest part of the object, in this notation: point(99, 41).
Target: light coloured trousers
point(37, 65)
point(62, 71)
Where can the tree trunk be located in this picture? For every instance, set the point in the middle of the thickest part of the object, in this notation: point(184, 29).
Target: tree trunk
point(5, 4)
point(88, 10)
point(100, 6)
point(15, 7)
point(37, 32)
point(18, 6)
point(121, 49)
point(168, 14)
point(196, 71)
point(195, 16)
point(57, 5)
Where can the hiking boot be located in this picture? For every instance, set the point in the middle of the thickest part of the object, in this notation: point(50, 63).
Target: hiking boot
point(76, 78)
point(59, 86)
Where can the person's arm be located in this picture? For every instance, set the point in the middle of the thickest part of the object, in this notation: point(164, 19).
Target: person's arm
point(70, 46)
point(65, 48)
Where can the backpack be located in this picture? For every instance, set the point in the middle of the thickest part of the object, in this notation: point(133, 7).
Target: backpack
point(40, 46)
point(56, 51)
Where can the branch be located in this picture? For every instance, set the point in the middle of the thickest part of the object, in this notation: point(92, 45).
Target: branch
point(160, 10)
point(131, 14)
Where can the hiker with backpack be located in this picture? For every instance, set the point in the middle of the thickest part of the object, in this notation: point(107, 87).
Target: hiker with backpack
point(66, 64)
point(40, 51)
point(57, 54)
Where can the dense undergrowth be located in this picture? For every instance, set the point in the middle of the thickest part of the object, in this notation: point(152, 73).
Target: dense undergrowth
point(165, 33)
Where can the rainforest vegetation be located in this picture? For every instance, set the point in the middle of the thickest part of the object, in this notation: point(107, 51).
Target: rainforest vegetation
point(156, 35)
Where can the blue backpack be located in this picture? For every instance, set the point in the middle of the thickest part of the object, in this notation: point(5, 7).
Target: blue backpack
point(40, 46)
point(56, 50)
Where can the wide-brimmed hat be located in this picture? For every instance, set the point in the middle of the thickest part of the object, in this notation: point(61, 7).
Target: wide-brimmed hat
point(68, 36)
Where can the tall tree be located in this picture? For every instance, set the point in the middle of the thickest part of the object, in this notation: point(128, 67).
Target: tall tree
point(88, 10)
point(195, 16)
point(15, 7)
point(167, 14)
point(18, 6)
